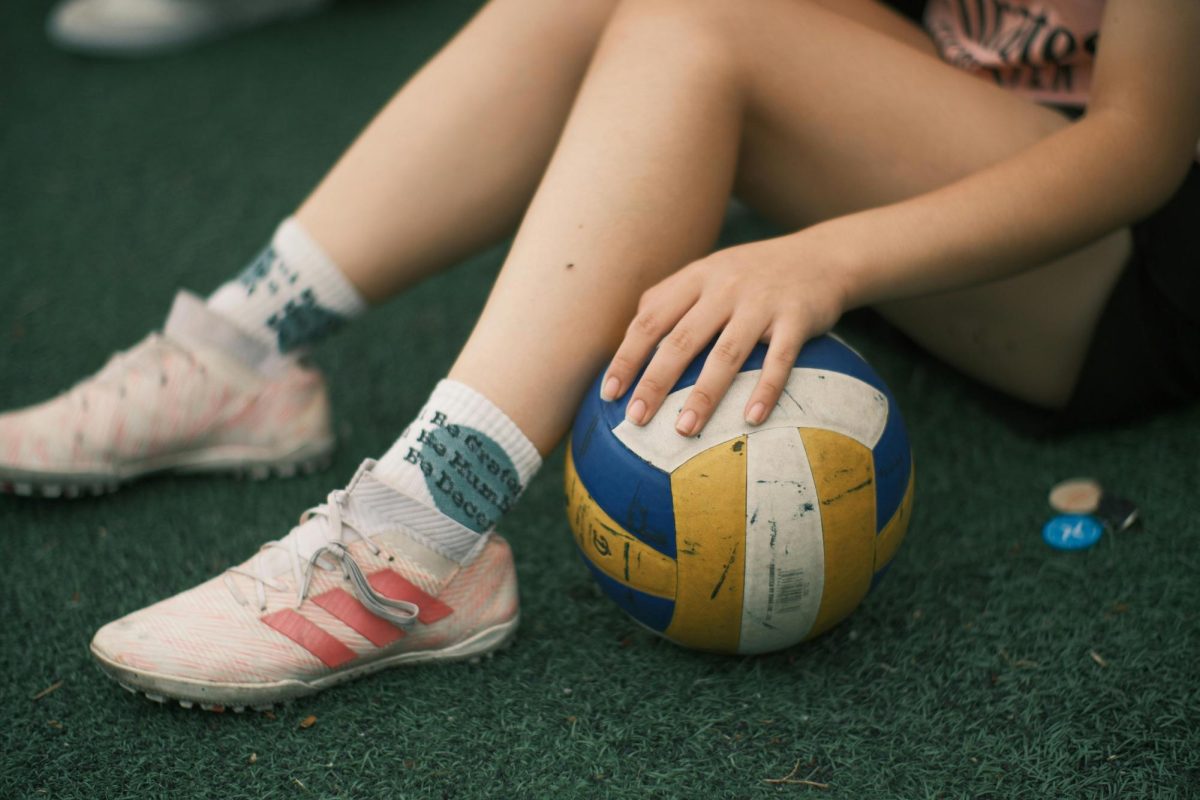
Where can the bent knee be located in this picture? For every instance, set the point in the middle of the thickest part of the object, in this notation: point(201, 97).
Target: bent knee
point(700, 31)
point(725, 34)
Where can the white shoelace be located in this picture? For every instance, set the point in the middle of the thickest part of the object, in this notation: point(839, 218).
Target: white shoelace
point(335, 549)
point(112, 376)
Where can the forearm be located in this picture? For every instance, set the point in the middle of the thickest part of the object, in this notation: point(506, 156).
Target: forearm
point(1062, 193)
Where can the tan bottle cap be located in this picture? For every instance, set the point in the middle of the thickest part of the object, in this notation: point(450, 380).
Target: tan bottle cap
point(1076, 496)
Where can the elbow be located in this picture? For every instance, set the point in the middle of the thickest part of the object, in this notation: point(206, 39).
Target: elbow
point(1156, 162)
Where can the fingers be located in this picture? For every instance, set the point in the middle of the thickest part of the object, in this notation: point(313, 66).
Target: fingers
point(721, 366)
point(687, 338)
point(661, 310)
point(681, 315)
point(776, 370)
point(681, 324)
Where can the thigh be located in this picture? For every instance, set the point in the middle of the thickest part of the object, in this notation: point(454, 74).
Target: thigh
point(847, 111)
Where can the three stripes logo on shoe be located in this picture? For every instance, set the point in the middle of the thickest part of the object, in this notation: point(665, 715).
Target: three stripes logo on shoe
point(346, 608)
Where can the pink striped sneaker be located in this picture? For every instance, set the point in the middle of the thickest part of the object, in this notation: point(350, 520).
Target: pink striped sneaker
point(348, 592)
point(200, 397)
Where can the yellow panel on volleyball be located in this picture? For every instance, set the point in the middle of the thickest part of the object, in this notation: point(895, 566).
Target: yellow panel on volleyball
point(844, 472)
point(709, 496)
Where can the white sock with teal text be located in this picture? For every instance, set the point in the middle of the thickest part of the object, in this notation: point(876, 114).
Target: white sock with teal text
point(462, 456)
point(291, 296)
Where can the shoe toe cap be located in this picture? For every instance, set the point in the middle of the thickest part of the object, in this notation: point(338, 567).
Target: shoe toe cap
point(200, 636)
point(131, 644)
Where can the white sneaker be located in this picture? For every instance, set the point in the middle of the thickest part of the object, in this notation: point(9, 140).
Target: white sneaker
point(176, 402)
point(348, 592)
point(144, 27)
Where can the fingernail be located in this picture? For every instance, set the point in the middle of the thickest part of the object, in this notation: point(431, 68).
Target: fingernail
point(611, 387)
point(755, 417)
point(686, 423)
point(636, 411)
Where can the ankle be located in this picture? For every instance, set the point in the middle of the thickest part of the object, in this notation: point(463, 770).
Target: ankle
point(291, 296)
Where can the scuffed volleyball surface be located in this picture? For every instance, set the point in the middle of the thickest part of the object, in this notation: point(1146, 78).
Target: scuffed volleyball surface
point(745, 539)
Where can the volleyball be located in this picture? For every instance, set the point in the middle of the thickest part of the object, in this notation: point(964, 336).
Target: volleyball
point(745, 539)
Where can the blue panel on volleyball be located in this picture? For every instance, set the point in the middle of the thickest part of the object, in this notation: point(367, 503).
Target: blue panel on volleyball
point(893, 466)
point(653, 612)
point(636, 494)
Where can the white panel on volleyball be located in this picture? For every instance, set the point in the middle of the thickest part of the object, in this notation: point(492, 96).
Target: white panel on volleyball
point(814, 398)
point(785, 552)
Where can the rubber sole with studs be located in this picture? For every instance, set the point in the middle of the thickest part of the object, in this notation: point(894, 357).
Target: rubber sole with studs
point(219, 697)
point(305, 461)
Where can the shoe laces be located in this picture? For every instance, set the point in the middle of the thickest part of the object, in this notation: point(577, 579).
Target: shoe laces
point(334, 554)
point(112, 376)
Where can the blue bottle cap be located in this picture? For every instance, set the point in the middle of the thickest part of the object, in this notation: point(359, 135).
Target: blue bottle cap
point(1072, 532)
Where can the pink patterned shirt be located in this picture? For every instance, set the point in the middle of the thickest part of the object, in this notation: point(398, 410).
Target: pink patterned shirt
point(1043, 49)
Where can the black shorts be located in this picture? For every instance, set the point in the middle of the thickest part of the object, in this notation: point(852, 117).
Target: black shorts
point(1145, 353)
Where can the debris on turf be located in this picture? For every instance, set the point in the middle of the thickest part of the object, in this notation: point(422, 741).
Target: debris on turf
point(1086, 510)
point(308, 722)
point(54, 687)
point(793, 779)
point(1019, 663)
point(253, 759)
point(1117, 513)
point(1099, 659)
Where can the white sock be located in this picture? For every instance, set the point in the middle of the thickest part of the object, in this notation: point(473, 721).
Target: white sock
point(462, 456)
point(291, 296)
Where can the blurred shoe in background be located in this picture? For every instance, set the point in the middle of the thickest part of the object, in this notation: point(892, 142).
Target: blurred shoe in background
point(148, 27)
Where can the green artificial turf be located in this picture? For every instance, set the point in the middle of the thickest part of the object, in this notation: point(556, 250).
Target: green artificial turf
point(986, 665)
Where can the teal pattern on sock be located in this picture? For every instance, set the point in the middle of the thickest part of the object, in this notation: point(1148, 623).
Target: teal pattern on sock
point(267, 271)
point(291, 295)
point(302, 321)
point(257, 270)
point(471, 478)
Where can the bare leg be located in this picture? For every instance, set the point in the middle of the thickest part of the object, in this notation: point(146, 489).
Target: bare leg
point(837, 116)
point(637, 189)
point(450, 163)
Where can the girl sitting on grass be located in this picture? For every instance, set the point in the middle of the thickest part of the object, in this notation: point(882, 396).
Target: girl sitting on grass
point(1013, 185)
